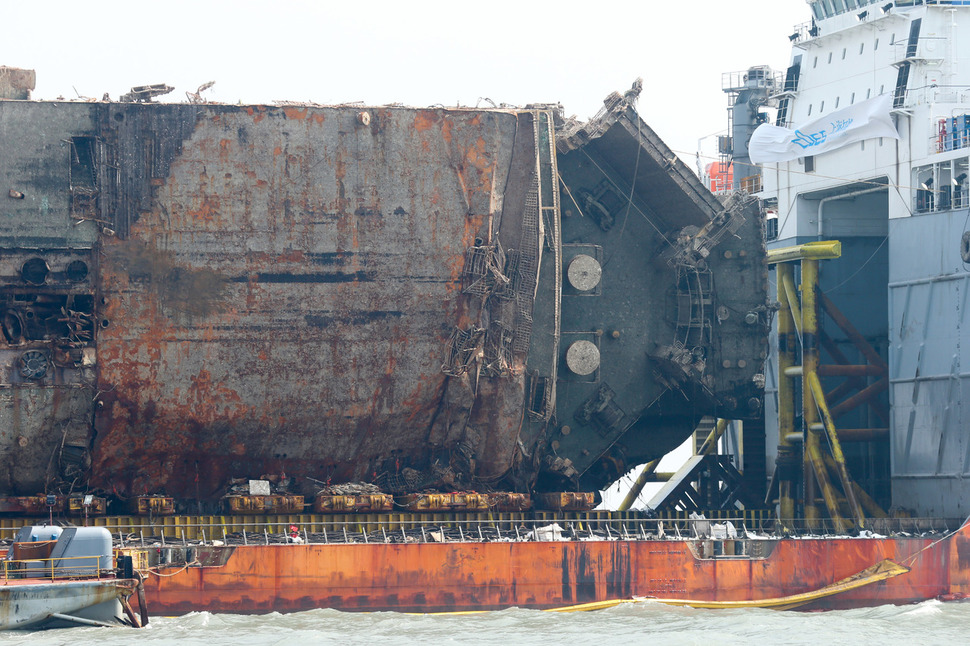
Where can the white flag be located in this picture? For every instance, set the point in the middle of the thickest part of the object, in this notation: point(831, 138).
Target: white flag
point(864, 120)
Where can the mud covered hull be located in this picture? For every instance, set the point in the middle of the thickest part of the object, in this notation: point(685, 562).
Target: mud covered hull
point(192, 293)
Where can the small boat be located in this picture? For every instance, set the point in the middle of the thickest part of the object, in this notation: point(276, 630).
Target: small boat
point(59, 577)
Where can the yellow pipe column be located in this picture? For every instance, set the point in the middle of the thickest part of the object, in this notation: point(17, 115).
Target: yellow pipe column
point(786, 395)
point(819, 396)
point(809, 331)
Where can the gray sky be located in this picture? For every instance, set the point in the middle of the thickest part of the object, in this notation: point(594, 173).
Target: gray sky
point(417, 52)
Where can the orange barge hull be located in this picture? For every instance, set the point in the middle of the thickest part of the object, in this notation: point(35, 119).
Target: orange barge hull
point(436, 577)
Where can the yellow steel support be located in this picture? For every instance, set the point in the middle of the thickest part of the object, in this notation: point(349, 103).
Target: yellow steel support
point(816, 390)
point(870, 505)
point(786, 398)
point(791, 297)
point(809, 331)
point(820, 250)
point(707, 448)
point(831, 497)
point(638, 485)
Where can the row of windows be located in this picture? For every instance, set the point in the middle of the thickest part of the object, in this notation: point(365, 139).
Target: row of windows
point(828, 8)
point(862, 49)
point(838, 100)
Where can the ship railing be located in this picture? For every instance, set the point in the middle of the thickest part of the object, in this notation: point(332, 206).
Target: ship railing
point(929, 200)
point(803, 31)
point(950, 136)
point(57, 568)
point(508, 527)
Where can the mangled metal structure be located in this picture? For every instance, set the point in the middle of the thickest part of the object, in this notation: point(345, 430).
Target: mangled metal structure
point(480, 298)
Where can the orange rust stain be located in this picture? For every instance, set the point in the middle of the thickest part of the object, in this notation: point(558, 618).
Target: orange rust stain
point(224, 145)
point(446, 127)
point(423, 577)
point(319, 117)
point(208, 210)
point(277, 151)
point(425, 119)
point(258, 113)
point(295, 113)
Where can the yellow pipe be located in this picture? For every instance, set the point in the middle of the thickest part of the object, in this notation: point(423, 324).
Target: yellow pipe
point(707, 448)
point(819, 250)
point(870, 505)
point(638, 484)
point(792, 299)
point(816, 387)
point(829, 494)
point(786, 393)
point(809, 332)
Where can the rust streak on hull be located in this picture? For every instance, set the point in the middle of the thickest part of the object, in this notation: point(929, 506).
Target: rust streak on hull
point(432, 577)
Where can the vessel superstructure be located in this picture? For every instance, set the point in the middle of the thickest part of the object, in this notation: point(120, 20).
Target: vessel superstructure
point(900, 209)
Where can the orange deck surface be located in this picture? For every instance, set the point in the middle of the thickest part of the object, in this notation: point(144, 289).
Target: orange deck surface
point(433, 577)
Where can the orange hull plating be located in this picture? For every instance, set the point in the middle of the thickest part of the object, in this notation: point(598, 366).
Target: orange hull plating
point(432, 577)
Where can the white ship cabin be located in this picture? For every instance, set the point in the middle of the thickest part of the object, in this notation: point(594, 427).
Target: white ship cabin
point(900, 209)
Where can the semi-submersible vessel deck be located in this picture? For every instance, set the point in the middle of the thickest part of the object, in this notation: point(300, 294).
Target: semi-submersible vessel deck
point(506, 302)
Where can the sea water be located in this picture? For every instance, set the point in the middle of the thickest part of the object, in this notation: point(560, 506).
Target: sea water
point(930, 622)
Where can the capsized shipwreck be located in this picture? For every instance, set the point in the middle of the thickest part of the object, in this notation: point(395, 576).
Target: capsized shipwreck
point(481, 298)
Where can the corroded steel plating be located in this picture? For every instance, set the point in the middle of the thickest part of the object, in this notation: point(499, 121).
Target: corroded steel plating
point(431, 577)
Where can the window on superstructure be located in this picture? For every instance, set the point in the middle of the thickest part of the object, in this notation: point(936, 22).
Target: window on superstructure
point(876, 45)
point(863, 144)
point(892, 39)
point(821, 107)
point(817, 10)
point(844, 50)
point(815, 63)
point(810, 164)
point(837, 102)
point(882, 88)
point(840, 6)
point(809, 109)
point(852, 99)
point(868, 93)
point(862, 48)
point(830, 58)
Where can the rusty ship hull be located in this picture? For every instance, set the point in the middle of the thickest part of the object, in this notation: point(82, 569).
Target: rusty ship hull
point(192, 293)
point(474, 576)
